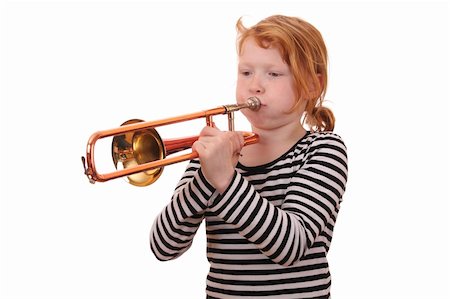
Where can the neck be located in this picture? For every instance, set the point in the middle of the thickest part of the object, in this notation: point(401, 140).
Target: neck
point(282, 135)
point(272, 144)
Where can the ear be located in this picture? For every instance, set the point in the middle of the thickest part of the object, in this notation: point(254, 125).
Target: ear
point(315, 86)
point(320, 78)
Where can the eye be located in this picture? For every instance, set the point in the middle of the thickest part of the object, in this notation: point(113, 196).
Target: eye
point(245, 73)
point(274, 74)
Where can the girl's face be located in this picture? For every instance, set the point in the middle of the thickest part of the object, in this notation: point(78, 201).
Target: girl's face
point(263, 73)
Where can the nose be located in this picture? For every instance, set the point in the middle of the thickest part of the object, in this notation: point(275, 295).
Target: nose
point(256, 86)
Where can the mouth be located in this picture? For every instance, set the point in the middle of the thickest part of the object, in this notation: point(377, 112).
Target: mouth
point(259, 99)
point(254, 102)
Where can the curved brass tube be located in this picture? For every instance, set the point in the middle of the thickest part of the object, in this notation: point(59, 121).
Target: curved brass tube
point(139, 152)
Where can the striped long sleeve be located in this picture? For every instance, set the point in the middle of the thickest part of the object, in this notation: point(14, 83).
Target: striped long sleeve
point(269, 232)
point(175, 227)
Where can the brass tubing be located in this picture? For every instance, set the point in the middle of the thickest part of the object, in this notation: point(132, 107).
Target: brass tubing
point(173, 145)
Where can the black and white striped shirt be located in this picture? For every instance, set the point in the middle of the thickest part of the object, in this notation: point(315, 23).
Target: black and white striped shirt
point(269, 233)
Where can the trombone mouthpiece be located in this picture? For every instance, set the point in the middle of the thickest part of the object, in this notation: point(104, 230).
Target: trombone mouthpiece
point(253, 103)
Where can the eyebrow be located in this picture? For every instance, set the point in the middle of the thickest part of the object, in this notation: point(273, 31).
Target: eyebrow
point(265, 65)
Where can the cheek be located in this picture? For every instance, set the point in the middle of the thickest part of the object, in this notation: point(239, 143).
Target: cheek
point(239, 90)
point(290, 95)
point(239, 83)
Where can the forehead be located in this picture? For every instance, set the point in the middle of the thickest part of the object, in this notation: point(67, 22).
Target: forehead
point(252, 52)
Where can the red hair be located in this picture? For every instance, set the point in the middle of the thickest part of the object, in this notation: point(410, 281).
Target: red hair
point(303, 49)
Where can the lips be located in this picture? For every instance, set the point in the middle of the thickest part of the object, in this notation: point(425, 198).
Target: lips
point(259, 98)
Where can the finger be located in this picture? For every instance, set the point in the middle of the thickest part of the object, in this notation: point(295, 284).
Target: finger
point(241, 139)
point(209, 131)
point(236, 141)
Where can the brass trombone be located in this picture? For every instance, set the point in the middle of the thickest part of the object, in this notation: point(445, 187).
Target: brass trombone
point(139, 153)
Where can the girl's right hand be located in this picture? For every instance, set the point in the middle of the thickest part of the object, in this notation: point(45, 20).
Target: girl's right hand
point(218, 153)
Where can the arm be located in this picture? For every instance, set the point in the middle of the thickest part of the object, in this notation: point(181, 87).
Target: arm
point(174, 228)
point(312, 201)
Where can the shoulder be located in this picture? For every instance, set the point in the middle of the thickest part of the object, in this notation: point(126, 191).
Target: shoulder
point(322, 146)
point(327, 139)
point(324, 137)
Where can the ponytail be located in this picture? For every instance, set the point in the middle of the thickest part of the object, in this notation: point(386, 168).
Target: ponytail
point(319, 118)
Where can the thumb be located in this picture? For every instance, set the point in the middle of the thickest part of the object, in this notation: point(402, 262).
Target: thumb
point(198, 147)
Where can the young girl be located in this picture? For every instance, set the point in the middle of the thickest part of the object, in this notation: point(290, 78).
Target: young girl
point(270, 208)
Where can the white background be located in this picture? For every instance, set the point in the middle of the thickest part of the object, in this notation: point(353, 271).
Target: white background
point(70, 68)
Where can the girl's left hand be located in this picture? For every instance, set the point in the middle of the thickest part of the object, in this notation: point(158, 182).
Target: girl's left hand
point(219, 153)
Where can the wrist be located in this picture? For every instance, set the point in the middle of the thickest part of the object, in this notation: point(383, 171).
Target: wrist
point(221, 184)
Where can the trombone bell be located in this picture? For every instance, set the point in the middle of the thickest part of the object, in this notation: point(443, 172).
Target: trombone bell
point(135, 148)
